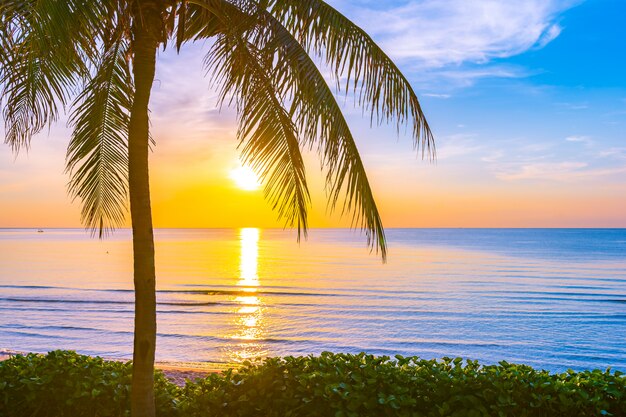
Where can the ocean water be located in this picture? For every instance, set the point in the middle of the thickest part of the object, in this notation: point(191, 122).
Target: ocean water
point(550, 298)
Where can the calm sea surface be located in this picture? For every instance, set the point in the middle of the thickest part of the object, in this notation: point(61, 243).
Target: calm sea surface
point(551, 298)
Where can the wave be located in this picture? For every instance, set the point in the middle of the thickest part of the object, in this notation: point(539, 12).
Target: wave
point(310, 338)
point(121, 302)
point(549, 293)
point(238, 292)
point(28, 330)
point(118, 311)
point(512, 295)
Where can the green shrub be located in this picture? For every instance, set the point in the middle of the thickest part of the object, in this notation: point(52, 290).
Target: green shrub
point(330, 385)
point(64, 383)
point(343, 385)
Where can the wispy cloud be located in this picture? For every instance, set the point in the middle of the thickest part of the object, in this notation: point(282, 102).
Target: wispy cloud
point(493, 156)
point(559, 171)
point(434, 95)
point(550, 168)
point(573, 106)
point(456, 145)
point(556, 161)
point(585, 140)
point(468, 75)
point(613, 153)
point(185, 108)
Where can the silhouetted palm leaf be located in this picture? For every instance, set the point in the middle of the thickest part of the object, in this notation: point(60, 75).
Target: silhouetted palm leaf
point(43, 58)
point(351, 53)
point(97, 155)
point(278, 35)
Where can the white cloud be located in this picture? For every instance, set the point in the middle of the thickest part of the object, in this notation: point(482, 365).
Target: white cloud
point(447, 79)
point(435, 95)
point(466, 76)
point(586, 140)
point(548, 36)
point(454, 42)
point(437, 33)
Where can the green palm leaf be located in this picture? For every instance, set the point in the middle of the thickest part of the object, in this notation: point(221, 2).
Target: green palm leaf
point(43, 57)
point(268, 135)
point(320, 120)
point(97, 155)
point(351, 53)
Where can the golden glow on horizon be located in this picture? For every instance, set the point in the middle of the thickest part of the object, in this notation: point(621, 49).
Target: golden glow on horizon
point(245, 178)
point(193, 190)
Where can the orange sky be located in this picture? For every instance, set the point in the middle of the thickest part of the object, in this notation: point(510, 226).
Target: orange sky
point(193, 189)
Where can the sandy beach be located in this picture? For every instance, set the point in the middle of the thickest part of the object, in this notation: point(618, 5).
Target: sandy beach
point(179, 375)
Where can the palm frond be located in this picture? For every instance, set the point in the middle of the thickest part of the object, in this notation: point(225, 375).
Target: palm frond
point(267, 134)
point(314, 110)
point(97, 155)
point(49, 49)
point(320, 120)
point(44, 53)
point(200, 23)
point(379, 85)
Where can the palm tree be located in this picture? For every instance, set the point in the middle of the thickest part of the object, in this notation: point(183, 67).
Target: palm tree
point(98, 59)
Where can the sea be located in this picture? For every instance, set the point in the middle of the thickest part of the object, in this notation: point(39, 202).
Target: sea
point(554, 299)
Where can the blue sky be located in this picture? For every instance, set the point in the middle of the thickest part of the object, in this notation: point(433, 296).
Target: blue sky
point(527, 100)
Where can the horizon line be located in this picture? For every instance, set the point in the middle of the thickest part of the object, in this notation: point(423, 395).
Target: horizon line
point(325, 228)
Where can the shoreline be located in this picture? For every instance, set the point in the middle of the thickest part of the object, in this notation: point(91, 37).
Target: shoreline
point(176, 372)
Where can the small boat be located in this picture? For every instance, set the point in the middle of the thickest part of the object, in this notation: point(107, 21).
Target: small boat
point(40, 231)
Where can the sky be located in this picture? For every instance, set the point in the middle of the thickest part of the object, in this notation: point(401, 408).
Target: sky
point(526, 99)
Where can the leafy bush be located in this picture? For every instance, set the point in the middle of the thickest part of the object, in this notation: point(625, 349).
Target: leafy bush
point(64, 383)
point(344, 385)
point(331, 385)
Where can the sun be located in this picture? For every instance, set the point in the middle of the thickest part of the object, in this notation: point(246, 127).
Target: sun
point(245, 178)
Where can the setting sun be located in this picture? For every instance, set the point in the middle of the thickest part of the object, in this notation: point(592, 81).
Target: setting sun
point(245, 178)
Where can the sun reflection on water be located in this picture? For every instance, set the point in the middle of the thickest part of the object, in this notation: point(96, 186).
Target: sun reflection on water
point(249, 325)
point(248, 259)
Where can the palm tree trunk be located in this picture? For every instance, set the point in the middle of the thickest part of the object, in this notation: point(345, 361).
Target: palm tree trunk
point(144, 62)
